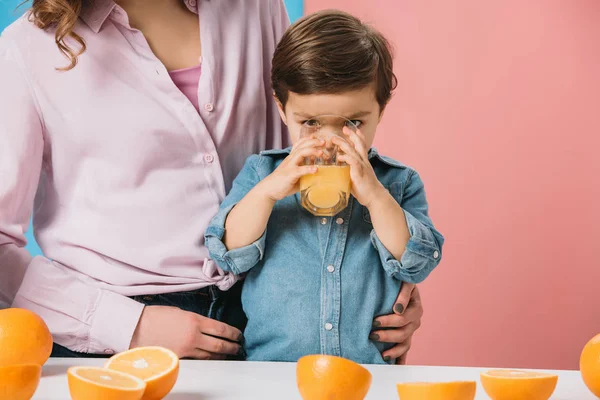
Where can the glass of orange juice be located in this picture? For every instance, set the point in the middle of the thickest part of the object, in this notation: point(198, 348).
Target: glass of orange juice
point(326, 192)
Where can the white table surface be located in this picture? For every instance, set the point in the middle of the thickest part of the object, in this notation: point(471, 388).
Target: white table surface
point(223, 380)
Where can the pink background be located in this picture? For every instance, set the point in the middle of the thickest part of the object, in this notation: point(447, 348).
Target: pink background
point(498, 108)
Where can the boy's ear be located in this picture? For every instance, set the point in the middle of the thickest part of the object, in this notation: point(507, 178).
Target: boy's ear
point(280, 109)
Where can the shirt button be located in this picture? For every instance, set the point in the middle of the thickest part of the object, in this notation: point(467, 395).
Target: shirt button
point(323, 221)
point(328, 326)
point(109, 351)
point(436, 254)
point(339, 221)
point(209, 107)
point(209, 158)
point(330, 268)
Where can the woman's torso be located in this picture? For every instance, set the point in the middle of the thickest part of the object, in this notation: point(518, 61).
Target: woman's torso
point(131, 171)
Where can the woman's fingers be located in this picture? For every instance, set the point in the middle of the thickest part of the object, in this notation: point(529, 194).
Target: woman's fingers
point(397, 351)
point(215, 345)
point(218, 329)
point(396, 335)
point(402, 359)
point(198, 354)
point(404, 297)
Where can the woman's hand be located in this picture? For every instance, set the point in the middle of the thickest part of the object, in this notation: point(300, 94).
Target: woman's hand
point(188, 334)
point(401, 325)
point(283, 181)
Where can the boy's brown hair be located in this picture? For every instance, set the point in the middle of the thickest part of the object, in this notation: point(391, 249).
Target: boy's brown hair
point(331, 52)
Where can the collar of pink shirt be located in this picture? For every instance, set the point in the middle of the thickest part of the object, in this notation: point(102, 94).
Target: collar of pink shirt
point(95, 13)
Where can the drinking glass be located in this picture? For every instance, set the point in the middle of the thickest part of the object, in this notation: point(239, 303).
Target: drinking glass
point(326, 192)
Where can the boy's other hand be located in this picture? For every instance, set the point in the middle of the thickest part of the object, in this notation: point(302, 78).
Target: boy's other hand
point(283, 181)
point(365, 185)
point(400, 326)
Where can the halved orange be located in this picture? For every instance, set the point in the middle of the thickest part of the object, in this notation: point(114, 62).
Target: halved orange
point(157, 366)
point(322, 377)
point(93, 383)
point(456, 390)
point(502, 384)
point(19, 382)
point(589, 365)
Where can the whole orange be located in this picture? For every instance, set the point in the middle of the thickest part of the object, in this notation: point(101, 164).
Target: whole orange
point(321, 377)
point(24, 338)
point(19, 382)
point(589, 364)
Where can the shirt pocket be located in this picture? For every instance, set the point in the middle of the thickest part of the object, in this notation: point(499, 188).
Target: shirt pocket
point(395, 189)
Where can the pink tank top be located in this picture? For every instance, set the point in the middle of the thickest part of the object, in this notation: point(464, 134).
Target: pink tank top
point(187, 81)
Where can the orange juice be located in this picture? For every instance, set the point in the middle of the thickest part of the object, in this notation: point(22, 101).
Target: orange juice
point(326, 192)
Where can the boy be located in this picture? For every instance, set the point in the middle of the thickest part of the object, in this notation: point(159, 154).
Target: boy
point(314, 285)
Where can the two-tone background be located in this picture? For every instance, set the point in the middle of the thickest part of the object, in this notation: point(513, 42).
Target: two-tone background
point(498, 108)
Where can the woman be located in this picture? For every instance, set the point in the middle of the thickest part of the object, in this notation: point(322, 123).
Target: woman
point(123, 151)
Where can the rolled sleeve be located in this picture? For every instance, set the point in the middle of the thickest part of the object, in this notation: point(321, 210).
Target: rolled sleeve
point(239, 260)
point(421, 256)
point(423, 251)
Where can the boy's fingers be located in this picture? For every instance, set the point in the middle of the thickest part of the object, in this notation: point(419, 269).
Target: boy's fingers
point(306, 170)
point(346, 147)
point(307, 142)
point(358, 141)
point(305, 152)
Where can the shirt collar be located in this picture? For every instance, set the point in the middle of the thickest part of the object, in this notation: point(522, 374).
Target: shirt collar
point(95, 12)
point(373, 154)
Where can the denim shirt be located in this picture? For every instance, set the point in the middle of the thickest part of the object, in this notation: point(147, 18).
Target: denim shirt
point(314, 285)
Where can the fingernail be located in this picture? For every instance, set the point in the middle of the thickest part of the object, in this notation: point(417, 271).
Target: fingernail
point(376, 324)
point(374, 336)
point(240, 338)
point(387, 358)
point(399, 308)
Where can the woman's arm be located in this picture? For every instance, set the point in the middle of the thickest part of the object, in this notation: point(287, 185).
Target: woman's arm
point(21, 147)
point(79, 316)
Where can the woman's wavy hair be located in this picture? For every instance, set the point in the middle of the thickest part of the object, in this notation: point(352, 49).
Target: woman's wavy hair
point(60, 15)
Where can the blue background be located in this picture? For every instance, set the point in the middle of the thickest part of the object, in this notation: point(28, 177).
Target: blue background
point(9, 12)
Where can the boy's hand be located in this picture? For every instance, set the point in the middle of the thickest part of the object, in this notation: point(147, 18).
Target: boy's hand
point(365, 185)
point(283, 181)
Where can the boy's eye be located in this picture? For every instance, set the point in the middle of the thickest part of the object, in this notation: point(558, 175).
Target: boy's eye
point(354, 122)
point(311, 122)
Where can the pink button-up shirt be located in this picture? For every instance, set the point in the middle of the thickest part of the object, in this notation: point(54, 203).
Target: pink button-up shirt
point(121, 172)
